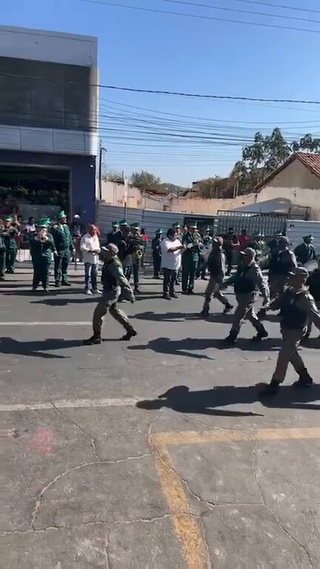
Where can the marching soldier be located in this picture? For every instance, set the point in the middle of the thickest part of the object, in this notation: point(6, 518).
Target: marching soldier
point(42, 249)
point(258, 244)
point(296, 306)
point(207, 242)
point(2, 252)
point(10, 234)
point(123, 240)
point(156, 253)
point(64, 246)
point(247, 281)
point(114, 284)
point(282, 262)
point(305, 252)
point(137, 254)
point(217, 270)
point(190, 257)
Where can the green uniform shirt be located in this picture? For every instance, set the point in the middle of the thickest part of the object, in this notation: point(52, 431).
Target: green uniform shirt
point(62, 238)
point(9, 236)
point(191, 253)
point(42, 250)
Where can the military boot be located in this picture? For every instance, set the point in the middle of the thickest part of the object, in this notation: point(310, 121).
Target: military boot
point(131, 333)
point(232, 338)
point(305, 380)
point(95, 339)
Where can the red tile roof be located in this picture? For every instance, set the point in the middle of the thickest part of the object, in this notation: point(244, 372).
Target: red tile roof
point(309, 160)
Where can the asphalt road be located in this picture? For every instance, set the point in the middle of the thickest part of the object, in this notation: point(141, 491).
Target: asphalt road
point(97, 471)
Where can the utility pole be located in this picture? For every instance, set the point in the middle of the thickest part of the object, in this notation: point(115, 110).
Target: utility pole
point(125, 207)
point(101, 150)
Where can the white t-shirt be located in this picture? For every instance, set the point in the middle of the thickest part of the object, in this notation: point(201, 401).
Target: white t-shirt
point(88, 244)
point(170, 261)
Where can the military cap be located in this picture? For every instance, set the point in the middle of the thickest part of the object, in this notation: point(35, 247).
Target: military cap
point(301, 271)
point(135, 225)
point(308, 238)
point(43, 222)
point(111, 247)
point(283, 239)
point(115, 224)
point(176, 225)
point(218, 240)
point(248, 251)
point(62, 215)
point(8, 218)
point(159, 230)
point(123, 223)
point(193, 224)
point(258, 234)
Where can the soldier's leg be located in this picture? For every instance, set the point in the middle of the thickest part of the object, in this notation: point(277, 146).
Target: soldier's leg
point(100, 311)
point(45, 278)
point(10, 260)
point(221, 297)
point(238, 317)
point(253, 318)
point(64, 268)
point(57, 269)
point(2, 264)
point(192, 274)
point(203, 270)
point(122, 318)
point(135, 269)
point(185, 276)
point(288, 353)
point(207, 295)
point(36, 276)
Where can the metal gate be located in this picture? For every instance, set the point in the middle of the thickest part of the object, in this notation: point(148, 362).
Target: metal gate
point(268, 224)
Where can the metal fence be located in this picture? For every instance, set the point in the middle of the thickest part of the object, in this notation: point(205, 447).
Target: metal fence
point(268, 224)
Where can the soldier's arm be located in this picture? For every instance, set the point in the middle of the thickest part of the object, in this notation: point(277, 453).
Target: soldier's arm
point(308, 304)
point(117, 271)
point(294, 261)
point(275, 304)
point(263, 287)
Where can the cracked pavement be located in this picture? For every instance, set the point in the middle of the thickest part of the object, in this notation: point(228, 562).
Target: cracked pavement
point(80, 467)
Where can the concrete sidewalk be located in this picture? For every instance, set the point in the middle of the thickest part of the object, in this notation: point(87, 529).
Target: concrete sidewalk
point(100, 472)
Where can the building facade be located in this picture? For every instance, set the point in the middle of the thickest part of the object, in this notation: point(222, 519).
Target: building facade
point(49, 109)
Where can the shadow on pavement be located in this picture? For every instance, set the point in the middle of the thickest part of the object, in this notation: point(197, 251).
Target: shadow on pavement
point(166, 316)
point(177, 347)
point(37, 348)
point(65, 301)
point(182, 400)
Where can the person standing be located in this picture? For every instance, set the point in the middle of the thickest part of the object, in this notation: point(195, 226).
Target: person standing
point(296, 306)
point(171, 248)
point(190, 257)
point(145, 239)
point(90, 248)
point(2, 252)
point(64, 246)
point(156, 253)
point(30, 228)
point(114, 284)
point(230, 244)
point(10, 234)
point(217, 269)
point(243, 240)
point(113, 235)
point(76, 232)
point(305, 252)
point(247, 281)
point(137, 254)
point(42, 249)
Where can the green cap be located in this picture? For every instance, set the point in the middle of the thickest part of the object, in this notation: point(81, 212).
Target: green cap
point(159, 230)
point(8, 218)
point(123, 223)
point(135, 225)
point(62, 214)
point(193, 224)
point(176, 225)
point(43, 222)
point(258, 234)
point(115, 224)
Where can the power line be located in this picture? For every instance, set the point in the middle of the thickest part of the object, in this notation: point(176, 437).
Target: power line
point(167, 92)
point(201, 17)
point(237, 10)
point(281, 6)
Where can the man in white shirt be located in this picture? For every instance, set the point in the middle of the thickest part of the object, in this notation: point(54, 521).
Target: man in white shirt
point(171, 249)
point(90, 248)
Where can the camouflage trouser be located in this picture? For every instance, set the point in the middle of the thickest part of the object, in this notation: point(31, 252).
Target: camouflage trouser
point(109, 301)
point(289, 354)
point(213, 289)
point(245, 309)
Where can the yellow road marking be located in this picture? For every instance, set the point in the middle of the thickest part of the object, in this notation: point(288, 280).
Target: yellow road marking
point(185, 522)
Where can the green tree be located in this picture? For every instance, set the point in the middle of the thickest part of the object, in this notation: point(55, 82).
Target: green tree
point(307, 142)
point(113, 176)
point(145, 181)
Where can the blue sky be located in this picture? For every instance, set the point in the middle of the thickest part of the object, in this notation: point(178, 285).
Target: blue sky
point(160, 51)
